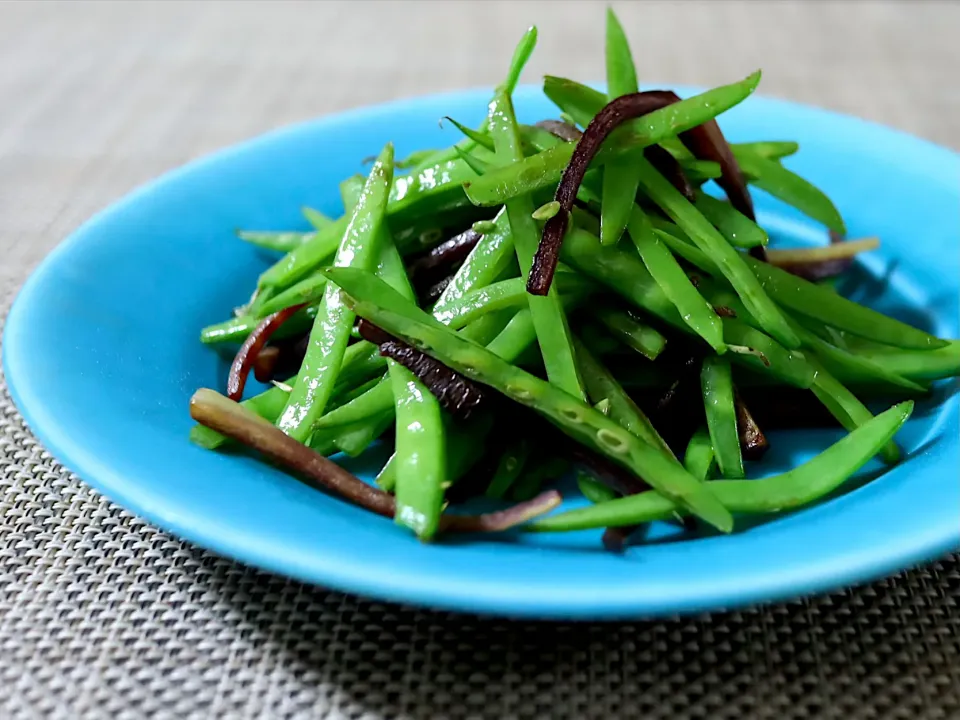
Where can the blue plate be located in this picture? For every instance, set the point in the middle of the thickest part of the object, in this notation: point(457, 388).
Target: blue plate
point(102, 354)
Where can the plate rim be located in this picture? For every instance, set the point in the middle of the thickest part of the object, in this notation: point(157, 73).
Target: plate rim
point(101, 477)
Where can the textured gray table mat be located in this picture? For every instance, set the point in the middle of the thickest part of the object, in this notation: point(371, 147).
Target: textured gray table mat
point(102, 615)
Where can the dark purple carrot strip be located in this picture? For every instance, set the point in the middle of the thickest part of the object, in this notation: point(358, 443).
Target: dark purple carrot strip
point(265, 364)
point(658, 157)
point(444, 256)
point(669, 167)
point(456, 394)
point(371, 333)
point(707, 142)
point(614, 113)
point(229, 418)
point(248, 352)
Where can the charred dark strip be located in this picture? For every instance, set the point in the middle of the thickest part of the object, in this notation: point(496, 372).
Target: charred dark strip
point(445, 255)
point(372, 333)
point(229, 418)
point(616, 112)
point(705, 141)
point(753, 443)
point(456, 394)
point(248, 352)
point(668, 166)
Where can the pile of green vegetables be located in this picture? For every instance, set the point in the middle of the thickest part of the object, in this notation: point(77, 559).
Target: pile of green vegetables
point(565, 295)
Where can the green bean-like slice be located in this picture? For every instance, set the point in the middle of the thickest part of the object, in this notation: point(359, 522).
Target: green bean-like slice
point(331, 329)
point(725, 258)
point(377, 302)
point(626, 275)
point(594, 490)
point(646, 340)
point(316, 218)
point(739, 230)
point(848, 410)
point(921, 365)
point(549, 319)
point(699, 457)
point(601, 385)
point(308, 290)
point(432, 190)
point(620, 176)
point(773, 177)
point(828, 307)
point(510, 466)
point(809, 299)
point(717, 385)
point(420, 459)
point(503, 295)
point(674, 282)
point(769, 149)
point(793, 489)
point(421, 454)
point(488, 260)
point(544, 169)
point(283, 241)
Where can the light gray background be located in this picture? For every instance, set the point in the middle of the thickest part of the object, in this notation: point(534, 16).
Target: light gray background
point(104, 616)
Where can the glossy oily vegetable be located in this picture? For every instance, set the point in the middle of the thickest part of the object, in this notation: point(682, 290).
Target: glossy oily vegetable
point(526, 268)
point(113, 409)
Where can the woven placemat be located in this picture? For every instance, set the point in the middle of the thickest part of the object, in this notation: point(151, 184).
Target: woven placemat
point(102, 615)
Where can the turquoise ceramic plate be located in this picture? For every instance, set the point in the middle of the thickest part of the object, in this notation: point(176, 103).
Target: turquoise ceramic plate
point(101, 355)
